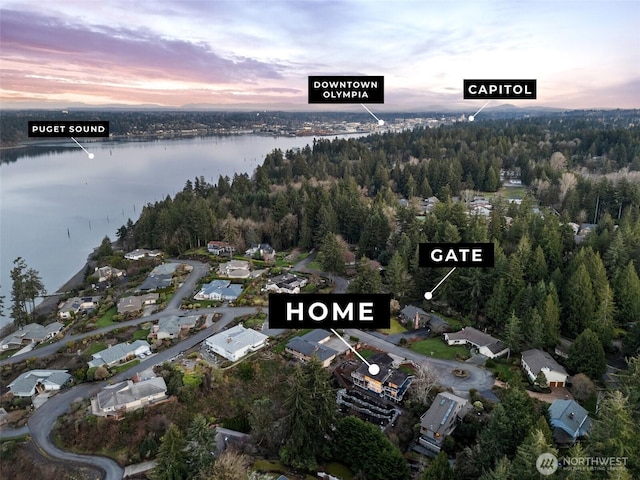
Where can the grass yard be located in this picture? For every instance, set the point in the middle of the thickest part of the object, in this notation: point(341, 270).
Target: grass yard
point(107, 318)
point(314, 265)
point(95, 348)
point(435, 347)
point(366, 353)
point(339, 470)
point(503, 371)
point(396, 327)
point(140, 334)
point(126, 366)
point(269, 466)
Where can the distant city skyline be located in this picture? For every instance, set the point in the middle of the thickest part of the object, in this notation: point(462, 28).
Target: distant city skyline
point(251, 54)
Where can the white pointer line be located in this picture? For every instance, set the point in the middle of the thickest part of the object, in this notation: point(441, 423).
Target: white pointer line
point(90, 155)
point(479, 112)
point(380, 122)
point(350, 347)
point(445, 277)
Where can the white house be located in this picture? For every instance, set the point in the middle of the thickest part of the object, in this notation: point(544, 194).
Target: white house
point(234, 269)
point(106, 273)
point(75, 305)
point(119, 353)
point(535, 361)
point(140, 253)
point(220, 248)
point(286, 283)
point(487, 345)
point(236, 342)
point(37, 381)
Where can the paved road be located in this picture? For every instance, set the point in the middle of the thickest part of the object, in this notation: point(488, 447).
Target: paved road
point(478, 378)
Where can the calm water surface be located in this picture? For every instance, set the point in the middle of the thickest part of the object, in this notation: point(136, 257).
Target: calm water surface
point(49, 191)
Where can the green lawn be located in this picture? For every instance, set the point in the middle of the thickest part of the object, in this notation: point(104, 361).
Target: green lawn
point(503, 371)
point(126, 366)
point(314, 265)
point(107, 318)
point(4, 355)
point(339, 470)
point(456, 323)
point(396, 327)
point(269, 466)
point(435, 347)
point(95, 348)
point(141, 334)
point(366, 353)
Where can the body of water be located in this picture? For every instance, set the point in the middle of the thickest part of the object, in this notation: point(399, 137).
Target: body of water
point(57, 204)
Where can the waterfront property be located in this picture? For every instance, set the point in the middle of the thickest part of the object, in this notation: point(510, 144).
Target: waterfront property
point(127, 396)
point(140, 253)
point(38, 381)
point(444, 414)
point(107, 273)
point(236, 342)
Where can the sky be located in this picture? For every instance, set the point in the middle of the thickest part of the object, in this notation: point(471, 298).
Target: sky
point(259, 53)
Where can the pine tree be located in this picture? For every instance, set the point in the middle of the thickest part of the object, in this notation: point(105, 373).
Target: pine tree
point(398, 278)
point(513, 333)
point(626, 287)
point(586, 355)
point(438, 469)
point(580, 304)
point(527, 454)
point(367, 279)
point(172, 458)
point(201, 441)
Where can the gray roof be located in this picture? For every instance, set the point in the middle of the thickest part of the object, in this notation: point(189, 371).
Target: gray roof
point(121, 394)
point(32, 332)
point(570, 416)
point(155, 282)
point(539, 359)
point(473, 336)
point(236, 338)
point(410, 312)
point(116, 353)
point(316, 335)
point(25, 384)
point(437, 418)
point(173, 323)
point(308, 348)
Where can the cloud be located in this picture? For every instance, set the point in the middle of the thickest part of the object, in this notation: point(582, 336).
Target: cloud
point(123, 51)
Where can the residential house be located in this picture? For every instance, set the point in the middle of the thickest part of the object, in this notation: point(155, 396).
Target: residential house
point(140, 253)
point(535, 361)
point(349, 258)
point(107, 273)
point(219, 290)
point(264, 250)
point(119, 353)
point(38, 381)
point(310, 344)
point(438, 324)
point(234, 269)
point(172, 326)
point(444, 414)
point(135, 304)
point(127, 396)
point(155, 282)
point(236, 342)
point(409, 313)
point(75, 305)
point(569, 421)
point(388, 383)
point(31, 333)
point(486, 344)
point(220, 248)
point(286, 283)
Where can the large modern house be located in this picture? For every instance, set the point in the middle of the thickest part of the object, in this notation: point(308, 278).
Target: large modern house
point(236, 342)
point(136, 303)
point(219, 290)
point(234, 269)
point(486, 344)
point(172, 326)
point(220, 248)
point(31, 333)
point(285, 283)
point(388, 383)
point(444, 414)
point(76, 305)
point(535, 361)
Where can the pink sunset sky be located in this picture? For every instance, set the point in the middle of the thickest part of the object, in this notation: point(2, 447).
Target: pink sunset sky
point(258, 54)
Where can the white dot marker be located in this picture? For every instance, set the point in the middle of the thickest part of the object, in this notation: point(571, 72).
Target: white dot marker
point(374, 369)
point(471, 118)
point(91, 155)
point(381, 122)
point(428, 295)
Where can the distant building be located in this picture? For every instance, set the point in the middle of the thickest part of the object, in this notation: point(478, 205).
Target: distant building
point(388, 383)
point(140, 253)
point(444, 414)
point(535, 361)
point(310, 344)
point(486, 344)
point(409, 313)
point(107, 273)
point(75, 305)
point(236, 342)
point(219, 290)
point(127, 396)
point(220, 248)
point(38, 381)
point(172, 326)
point(264, 250)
